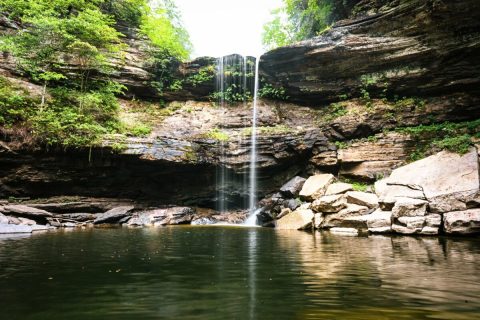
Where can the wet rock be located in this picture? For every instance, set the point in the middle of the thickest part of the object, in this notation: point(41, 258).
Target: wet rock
point(462, 222)
point(12, 228)
point(69, 225)
point(114, 215)
point(297, 220)
point(369, 200)
point(315, 186)
point(338, 188)
point(86, 205)
point(293, 187)
point(407, 207)
point(329, 204)
point(24, 211)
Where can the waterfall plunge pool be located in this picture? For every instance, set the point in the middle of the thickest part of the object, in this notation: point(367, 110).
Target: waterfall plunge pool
point(236, 273)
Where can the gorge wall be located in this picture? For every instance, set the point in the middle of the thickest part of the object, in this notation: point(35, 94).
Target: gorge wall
point(391, 65)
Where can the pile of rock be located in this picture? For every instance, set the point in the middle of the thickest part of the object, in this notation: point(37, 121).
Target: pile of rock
point(434, 195)
point(20, 218)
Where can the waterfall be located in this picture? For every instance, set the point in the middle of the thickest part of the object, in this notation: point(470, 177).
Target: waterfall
point(232, 80)
point(252, 199)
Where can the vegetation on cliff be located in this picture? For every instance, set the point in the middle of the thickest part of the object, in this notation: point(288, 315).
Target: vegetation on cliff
point(68, 47)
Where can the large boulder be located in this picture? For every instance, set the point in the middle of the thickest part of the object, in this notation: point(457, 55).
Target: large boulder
point(329, 204)
point(292, 188)
point(316, 186)
point(462, 222)
point(379, 221)
point(448, 181)
point(114, 215)
point(299, 219)
point(3, 219)
point(426, 225)
point(19, 210)
point(363, 198)
point(162, 217)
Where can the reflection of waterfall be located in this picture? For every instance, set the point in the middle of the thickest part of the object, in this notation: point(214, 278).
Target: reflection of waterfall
point(252, 272)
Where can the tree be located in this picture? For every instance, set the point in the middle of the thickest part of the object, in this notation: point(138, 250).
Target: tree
point(303, 19)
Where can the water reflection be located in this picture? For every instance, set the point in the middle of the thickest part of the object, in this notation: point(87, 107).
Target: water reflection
point(236, 273)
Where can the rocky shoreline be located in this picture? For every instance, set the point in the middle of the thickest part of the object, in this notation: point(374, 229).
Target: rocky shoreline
point(436, 195)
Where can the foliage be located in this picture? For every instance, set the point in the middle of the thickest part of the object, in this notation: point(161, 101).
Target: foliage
point(233, 93)
point(272, 130)
point(455, 137)
point(164, 29)
point(334, 111)
point(16, 105)
point(204, 74)
point(217, 134)
point(269, 91)
point(303, 19)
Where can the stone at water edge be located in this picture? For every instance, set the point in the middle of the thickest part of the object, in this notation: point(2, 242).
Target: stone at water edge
point(13, 228)
point(407, 207)
point(362, 198)
point(379, 221)
point(426, 225)
point(316, 186)
point(19, 210)
point(284, 212)
point(448, 180)
point(113, 215)
point(387, 194)
point(297, 220)
point(339, 219)
point(338, 188)
point(329, 204)
point(462, 222)
point(292, 188)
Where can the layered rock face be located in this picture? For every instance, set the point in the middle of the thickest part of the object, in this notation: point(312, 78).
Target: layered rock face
point(419, 48)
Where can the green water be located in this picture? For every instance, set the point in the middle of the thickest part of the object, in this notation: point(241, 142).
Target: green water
point(236, 273)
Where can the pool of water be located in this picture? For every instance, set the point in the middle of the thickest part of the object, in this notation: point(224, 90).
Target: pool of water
point(236, 273)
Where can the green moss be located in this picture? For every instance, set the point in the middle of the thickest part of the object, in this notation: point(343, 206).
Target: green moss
point(205, 74)
point(273, 130)
point(217, 134)
point(334, 111)
point(341, 144)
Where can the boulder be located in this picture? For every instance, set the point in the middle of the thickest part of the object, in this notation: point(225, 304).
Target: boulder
point(448, 180)
point(26, 221)
point(340, 219)
point(318, 220)
point(13, 228)
point(292, 204)
point(407, 207)
point(297, 220)
point(363, 198)
point(19, 210)
point(162, 217)
point(292, 188)
point(338, 188)
point(79, 217)
point(114, 215)
point(426, 225)
point(379, 221)
point(315, 186)
point(333, 203)
point(462, 222)
point(388, 193)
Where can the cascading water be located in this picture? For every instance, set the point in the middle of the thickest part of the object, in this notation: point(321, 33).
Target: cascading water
point(232, 82)
point(252, 198)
